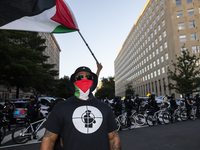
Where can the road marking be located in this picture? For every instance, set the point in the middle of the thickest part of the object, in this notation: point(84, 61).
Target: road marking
point(33, 142)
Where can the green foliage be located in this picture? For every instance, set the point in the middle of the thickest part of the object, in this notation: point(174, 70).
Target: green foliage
point(22, 63)
point(185, 74)
point(108, 88)
point(130, 90)
point(63, 88)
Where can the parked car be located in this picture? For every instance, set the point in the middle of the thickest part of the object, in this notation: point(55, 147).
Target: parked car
point(45, 103)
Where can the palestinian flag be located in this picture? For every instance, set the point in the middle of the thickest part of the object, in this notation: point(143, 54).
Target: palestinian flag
point(82, 88)
point(51, 16)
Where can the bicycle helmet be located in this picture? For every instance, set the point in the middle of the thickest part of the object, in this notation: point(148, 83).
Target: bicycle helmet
point(137, 94)
point(152, 95)
point(33, 96)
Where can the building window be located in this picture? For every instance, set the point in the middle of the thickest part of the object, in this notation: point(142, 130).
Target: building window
point(161, 48)
point(158, 61)
point(195, 49)
point(148, 76)
point(150, 65)
point(166, 56)
point(147, 30)
point(151, 75)
point(181, 26)
point(162, 59)
point(164, 33)
point(160, 38)
point(158, 72)
point(189, 1)
point(146, 50)
point(179, 14)
point(147, 21)
point(162, 12)
point(149, 47)
point(157, 51)
point(153, 12)
point(156, 41)
point(154, 22)
point(154, 63)
point(158, 17)
point(190, 12)
point(157, 8)
point(152, 35)
point(155, 31)
point(161, 2)
point(163, 22)
point(151, 26)
point(159, 27)
point(182, 38)
point(153, 54)
point(193, 36)
point(192, 24)
point(152, 3)
point(155, 74)
point(152, 44)
point(178, 3)
point(163, 70)
point(150, 56)
point(165, 45)
point(199, 9)
point(149, 8)
point(149, 17)
point(147, 67)
point(149, 39)
point(147, 58)
point(147, 13)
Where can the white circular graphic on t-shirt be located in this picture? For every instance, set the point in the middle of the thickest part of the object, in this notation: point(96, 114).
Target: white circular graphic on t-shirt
point(87, 119)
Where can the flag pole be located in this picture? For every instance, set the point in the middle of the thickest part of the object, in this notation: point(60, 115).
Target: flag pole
point(88, 47)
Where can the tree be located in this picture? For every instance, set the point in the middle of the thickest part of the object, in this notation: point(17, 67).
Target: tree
point(185, 74)
point(130, 90)
point(62, 88)
point(22, 62)
point(108, 88)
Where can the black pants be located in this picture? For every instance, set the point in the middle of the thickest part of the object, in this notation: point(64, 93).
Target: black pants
point(188, 111)
point(197, 112)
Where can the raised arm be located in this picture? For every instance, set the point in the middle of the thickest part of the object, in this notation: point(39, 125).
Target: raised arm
point(48, 140)
point(115, 143)
point(99, 67)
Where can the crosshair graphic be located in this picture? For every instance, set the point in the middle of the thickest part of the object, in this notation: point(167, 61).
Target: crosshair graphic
point(87, 119)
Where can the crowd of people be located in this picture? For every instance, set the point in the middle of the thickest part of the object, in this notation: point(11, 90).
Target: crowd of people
point(151, 104)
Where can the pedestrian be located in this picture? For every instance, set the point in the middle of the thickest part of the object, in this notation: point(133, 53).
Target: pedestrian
point(173, 105)
point(32, 111)
point(106, 101)
point(117, 106)
point(165, 101)
point(82, 121)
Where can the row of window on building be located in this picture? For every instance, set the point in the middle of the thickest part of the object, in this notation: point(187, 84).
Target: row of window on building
point(190, 12)
point(179, 2)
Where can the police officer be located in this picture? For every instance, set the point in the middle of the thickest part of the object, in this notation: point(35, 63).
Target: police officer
point(8, 109)
point(32, 111)
point(197, 100)
point(173, 104)
point(128, 107)
point(117, 105)
point(137, 103)
point(188, 103)
point(152, 104)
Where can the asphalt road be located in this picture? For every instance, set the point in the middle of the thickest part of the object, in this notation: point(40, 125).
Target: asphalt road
point(176, 136)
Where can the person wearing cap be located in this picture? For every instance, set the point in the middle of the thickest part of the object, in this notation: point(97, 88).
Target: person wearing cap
point(173, 105)
point(197, 100)
point(32, 111)
point(82, 121)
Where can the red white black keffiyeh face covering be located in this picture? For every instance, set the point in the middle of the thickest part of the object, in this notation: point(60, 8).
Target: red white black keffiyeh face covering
point(82, 89)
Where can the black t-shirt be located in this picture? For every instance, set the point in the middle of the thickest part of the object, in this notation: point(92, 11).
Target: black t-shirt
point(82, 124)
point(187, 105)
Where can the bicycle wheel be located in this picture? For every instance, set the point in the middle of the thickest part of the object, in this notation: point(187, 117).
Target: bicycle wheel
point(3, 132)
point(183, 115)
point(150, 120)
point(118, 124)
point(192, 115)
point(18, 135)
point(140, 119)
point(132, 123)
point(166, 118)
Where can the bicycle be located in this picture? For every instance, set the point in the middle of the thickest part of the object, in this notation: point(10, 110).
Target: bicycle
point(156, 118)
point(22, 133)
point(139, 118)
point(4, 123)
point(122, 119)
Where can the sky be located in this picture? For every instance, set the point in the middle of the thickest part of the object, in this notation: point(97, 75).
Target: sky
point(105, 25)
